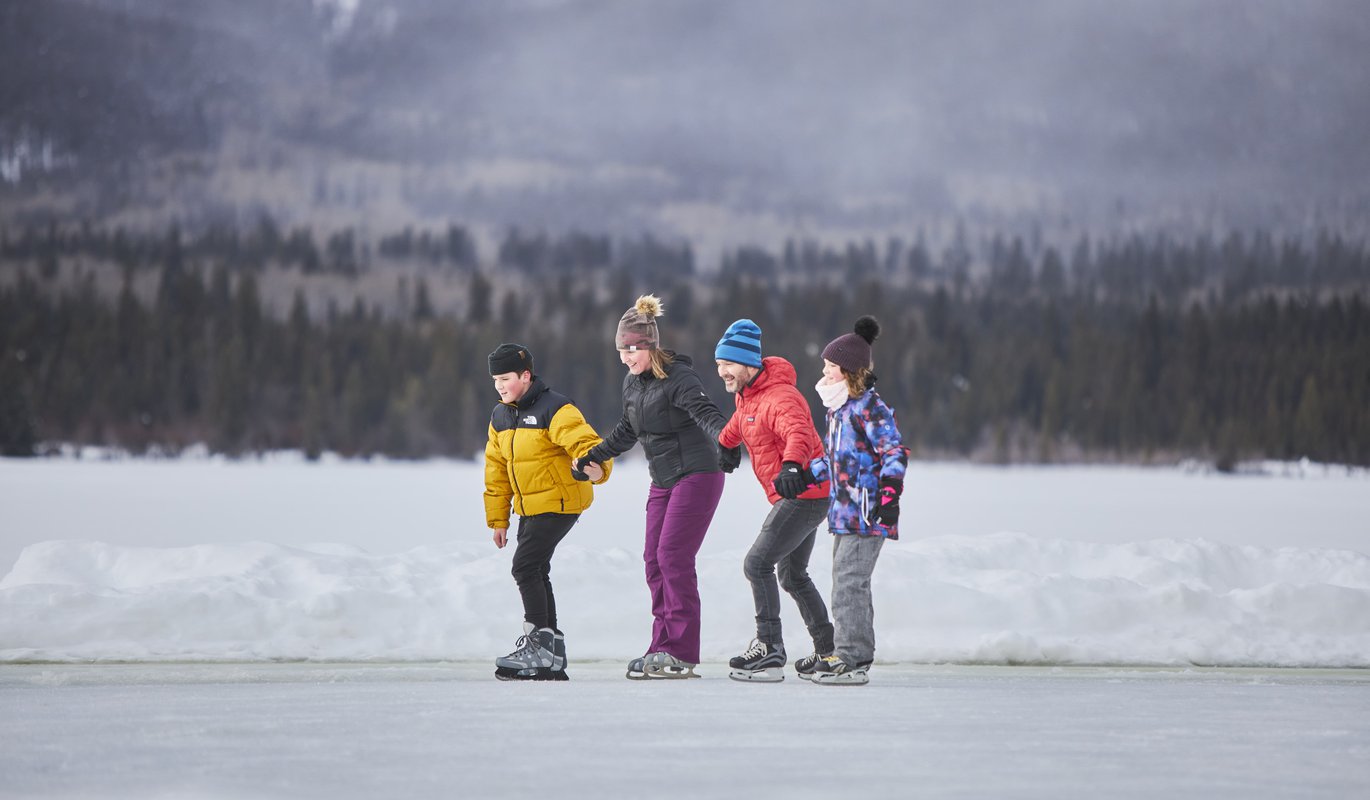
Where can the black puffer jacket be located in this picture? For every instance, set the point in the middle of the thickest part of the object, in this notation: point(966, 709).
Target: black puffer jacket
point(674, 418)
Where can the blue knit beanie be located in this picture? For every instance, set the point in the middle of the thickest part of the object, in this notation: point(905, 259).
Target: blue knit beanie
point(741, 344)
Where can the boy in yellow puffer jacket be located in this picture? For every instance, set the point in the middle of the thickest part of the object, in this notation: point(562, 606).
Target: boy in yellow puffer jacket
point(535, 436)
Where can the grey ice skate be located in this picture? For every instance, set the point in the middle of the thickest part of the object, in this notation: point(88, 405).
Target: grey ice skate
point(637, 669)
point(534, 657)
point(665, 665)
point(762, 663)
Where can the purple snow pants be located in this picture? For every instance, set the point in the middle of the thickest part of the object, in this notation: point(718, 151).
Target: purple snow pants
point(677, 519)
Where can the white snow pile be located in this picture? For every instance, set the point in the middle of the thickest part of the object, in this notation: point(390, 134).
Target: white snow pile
point(1000, 598)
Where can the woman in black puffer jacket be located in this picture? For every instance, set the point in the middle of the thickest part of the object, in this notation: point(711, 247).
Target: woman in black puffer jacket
point(666, 408)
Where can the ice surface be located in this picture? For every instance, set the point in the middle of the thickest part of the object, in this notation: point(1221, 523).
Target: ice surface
point(449, 730)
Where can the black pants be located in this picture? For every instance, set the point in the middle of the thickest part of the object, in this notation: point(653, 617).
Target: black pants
point(539, 536)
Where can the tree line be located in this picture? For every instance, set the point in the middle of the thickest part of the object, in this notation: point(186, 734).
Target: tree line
point(1002, 348)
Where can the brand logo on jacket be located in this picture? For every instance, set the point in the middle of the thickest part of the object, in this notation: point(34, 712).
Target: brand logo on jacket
point(530, 420)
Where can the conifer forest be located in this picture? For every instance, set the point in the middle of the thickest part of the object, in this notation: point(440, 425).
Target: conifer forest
point(1005, 349)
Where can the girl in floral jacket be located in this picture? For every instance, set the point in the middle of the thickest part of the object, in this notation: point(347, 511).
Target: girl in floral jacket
point(864, 458)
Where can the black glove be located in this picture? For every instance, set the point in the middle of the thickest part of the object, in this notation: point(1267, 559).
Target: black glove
point(887, 513)
point(729, 458)
point(792, 480)
point(578, 468)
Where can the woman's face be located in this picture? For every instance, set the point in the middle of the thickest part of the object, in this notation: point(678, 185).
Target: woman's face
point(637, 361)
point(831, 372)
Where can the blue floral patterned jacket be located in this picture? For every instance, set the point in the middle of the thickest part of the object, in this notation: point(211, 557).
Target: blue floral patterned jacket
point(862, 447)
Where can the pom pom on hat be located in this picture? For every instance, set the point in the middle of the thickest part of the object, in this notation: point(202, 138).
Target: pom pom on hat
point(867, 328)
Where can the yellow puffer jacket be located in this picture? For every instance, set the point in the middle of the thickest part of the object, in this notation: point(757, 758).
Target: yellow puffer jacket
point(529, 454)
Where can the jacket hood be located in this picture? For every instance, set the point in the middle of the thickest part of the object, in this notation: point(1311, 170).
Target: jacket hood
point(775, 371)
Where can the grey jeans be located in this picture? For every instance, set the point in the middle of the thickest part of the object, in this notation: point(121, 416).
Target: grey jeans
point(853, 561)
point(784, 545)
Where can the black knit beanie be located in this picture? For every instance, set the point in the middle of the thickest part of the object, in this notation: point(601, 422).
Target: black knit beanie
point(510, 358)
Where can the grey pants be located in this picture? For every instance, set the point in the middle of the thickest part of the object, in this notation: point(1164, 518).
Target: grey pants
point(784, 545)
point(853, 561)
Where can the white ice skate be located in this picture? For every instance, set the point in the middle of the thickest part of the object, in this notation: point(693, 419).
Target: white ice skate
point(667, 666)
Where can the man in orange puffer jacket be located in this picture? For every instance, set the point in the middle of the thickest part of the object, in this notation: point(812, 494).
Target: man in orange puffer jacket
point(773, 420)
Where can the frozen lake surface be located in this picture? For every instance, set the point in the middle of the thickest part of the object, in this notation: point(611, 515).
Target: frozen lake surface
point(308, 730)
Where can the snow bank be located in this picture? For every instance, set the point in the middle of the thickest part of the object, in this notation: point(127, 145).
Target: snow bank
point(1002, 598)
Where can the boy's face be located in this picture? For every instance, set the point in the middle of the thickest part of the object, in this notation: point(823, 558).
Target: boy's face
point(510, 386)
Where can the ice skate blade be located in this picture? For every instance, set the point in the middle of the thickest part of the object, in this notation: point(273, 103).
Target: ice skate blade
point(670, 673)
point(538, 674)
point(858, 678)
point(768, 675)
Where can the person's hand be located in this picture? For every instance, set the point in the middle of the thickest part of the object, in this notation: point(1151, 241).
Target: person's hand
point(887, 513)
point(729, 458)
point(594, 471)
point(579, 466)
point(792, 480)
point(501, 537)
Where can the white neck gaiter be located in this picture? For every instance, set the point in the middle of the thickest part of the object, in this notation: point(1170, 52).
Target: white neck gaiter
point(834, 395)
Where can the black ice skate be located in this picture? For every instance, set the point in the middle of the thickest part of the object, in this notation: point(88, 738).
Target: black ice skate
point(762, 663)
point(833, 671)
point(806, 665)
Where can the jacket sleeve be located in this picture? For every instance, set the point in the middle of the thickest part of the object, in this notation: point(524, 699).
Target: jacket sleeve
point(688, 394)
point(498, 491)
point(572, 433)
point(818, 467)
point(792, 422)
point(619, 441)
point(883, 434)
point(730, 436)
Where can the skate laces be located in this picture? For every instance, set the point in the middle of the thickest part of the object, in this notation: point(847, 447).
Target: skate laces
point(757, 649)
point(528, 643)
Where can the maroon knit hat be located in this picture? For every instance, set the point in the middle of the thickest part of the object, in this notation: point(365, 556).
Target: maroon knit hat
point(852, 351)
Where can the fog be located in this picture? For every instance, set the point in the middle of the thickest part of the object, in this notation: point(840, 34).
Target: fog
point(800, 115)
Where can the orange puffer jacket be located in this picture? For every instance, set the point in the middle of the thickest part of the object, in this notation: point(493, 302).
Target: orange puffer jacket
point(773, 420)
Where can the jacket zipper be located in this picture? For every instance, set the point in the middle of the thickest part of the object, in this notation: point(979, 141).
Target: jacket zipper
point(513, 473)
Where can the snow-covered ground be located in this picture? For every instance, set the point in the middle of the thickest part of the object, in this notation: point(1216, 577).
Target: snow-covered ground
point(280, 559)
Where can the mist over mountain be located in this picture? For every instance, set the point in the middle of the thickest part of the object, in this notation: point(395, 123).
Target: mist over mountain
point(714, 121)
